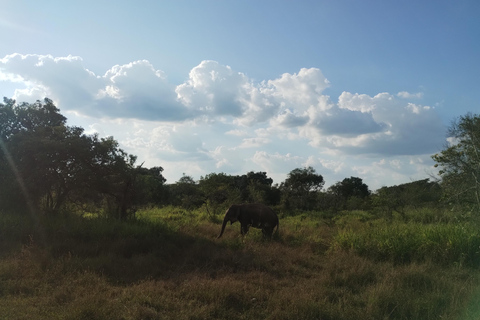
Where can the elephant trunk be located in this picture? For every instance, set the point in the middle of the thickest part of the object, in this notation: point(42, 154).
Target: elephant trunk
point(225, 220)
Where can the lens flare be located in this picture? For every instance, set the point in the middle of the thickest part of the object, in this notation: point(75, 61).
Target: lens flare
point(23, 188)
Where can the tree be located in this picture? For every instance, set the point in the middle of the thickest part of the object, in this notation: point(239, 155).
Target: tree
point(27, 117)
point(351, 187)
point(150, 186)
point(408, 195)
point(304, 179)
point(350, 192)
point(300, 188)
point(254, 187)
point(34, 147)
point(219, 191)
point(48, 162)
point(460, 162)
point(186, 193)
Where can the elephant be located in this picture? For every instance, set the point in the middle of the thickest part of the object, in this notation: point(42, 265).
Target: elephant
point(253, 214)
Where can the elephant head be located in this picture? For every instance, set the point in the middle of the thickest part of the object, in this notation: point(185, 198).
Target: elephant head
point(251, 215)
point(231, 215)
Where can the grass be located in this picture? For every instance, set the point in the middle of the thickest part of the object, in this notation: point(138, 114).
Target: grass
point(446, 244)
point(167, 264)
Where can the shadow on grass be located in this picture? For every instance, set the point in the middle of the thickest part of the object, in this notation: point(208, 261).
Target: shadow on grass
point(126, 252)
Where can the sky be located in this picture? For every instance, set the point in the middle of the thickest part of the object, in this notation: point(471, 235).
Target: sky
point(351, 88)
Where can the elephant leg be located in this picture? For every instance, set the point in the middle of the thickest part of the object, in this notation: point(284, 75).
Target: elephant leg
point(264, 232)
point(244, 229)
point(267, 232)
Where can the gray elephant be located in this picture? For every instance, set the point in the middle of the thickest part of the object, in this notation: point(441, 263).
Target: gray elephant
point(254, 215)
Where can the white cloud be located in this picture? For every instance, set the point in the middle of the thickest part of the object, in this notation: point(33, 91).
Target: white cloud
point(135, 90)
point(360, 102)
point(254, 142)
point(290, 120)
point(276, 162)
point(397, 164)
point(407, 95)
point(213, 88)
point(335, 166)
point(343, 122)
point(138, 90)
point(401, 169)
point(228, 160)
point(406, 128)
point(303, 89)
point(220, 120)
point(237, 132)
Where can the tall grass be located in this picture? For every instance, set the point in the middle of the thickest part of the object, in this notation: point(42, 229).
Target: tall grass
point(167, 264)
point(446, 244)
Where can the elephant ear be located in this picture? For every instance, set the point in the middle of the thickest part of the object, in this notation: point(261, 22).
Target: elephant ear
point(238, 212)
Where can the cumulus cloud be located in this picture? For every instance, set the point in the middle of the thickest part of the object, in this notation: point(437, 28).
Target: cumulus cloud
point(303, 89)
point(213, 88)
point(289, 119)
point(344, 122)
point(134, 90)
point(59, 77)
point(405, 128)
point(140, 91)
point(292, 106)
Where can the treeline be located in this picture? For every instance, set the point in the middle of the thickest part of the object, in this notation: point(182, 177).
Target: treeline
point(49, 167)
point(301, 191)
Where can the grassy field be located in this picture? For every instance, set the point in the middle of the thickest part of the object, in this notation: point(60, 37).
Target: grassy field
point(167, 264)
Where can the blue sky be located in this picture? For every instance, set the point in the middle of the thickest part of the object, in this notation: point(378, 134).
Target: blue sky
point(352, 88)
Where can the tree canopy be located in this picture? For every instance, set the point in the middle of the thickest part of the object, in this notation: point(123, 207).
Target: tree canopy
point(300, 188)
point(47, 162)
point(460, 161)
point(350, 187)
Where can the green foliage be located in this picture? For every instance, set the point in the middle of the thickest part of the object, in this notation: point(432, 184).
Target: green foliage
point(399, 198)
point(26, 117)
point(300, 189)
point(186, 193)
point(255, 187)
point(350, 187)
point(304, 179)
point(350, 193)
point(218, 191)
point(150, 186)
point(446, 244)
point(221, 190)
point(352, 219)
point(48, 165)
point(460, 162)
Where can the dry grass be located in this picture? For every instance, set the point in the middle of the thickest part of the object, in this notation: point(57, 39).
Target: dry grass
point(97, 269)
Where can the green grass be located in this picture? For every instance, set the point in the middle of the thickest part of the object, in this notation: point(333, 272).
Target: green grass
point(446, 244)
point(168, 264)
